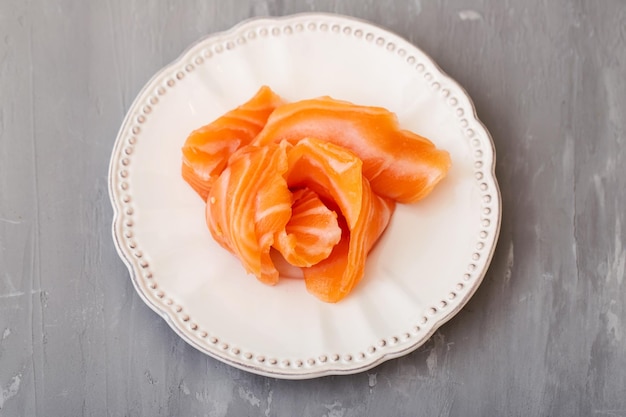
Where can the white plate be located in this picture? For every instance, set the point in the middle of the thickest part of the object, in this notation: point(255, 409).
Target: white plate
point(428, 263)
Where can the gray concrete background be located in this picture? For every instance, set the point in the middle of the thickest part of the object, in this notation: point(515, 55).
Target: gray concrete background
point(543, 336)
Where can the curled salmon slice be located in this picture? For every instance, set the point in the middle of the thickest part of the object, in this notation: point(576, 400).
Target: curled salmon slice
point(332, 279)
point(326, 226)
point(331, 171)
point(207, 149)
point(249, 204)
point(335, 174)
point(311, 233)
point(399, 164)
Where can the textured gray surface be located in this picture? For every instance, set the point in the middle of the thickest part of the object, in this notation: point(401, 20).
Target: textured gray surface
point(543, 336)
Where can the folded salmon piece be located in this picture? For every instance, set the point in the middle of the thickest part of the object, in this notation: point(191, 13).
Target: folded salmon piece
point(207, 149)
point(332, 279)
point(249, 204)
point(312, 231)
point(251, 209)
point(399, 164)
point(335, 174)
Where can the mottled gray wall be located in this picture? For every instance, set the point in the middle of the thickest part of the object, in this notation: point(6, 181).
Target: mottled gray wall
point(543, 336)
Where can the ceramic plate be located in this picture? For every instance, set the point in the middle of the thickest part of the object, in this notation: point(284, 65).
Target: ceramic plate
point(426, 266)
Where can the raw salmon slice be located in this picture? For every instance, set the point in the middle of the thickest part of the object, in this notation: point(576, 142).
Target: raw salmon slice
point(399, 164)
point(332, 279)
point(249, 204)
point(250, 209)
point(311, 233)
point(206, 150)
point(335, 174)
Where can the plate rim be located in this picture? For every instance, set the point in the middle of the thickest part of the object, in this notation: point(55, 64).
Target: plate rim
point(260, 367)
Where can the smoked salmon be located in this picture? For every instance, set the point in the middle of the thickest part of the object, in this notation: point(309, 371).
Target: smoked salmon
point(207, 149)
point(249, 204)
point(311, 233)
point(248, 218)
point(333, 278)
point(336, 174)
point(314, 182)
